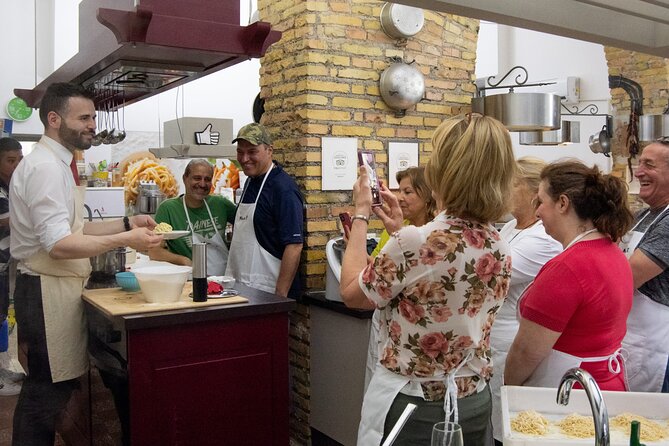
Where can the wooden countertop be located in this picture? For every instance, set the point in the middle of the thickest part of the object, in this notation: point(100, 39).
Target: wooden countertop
point(115, 304)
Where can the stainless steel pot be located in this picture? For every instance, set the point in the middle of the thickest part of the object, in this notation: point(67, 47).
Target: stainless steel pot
point(652, 127)
point(110, 262)
point(401, 21)
point(402, 86)
point(521, 112)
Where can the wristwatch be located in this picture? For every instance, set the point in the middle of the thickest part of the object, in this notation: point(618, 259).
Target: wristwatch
point(126, 223)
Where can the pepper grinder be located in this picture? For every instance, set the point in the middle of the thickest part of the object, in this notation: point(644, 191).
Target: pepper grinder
point(199, 272)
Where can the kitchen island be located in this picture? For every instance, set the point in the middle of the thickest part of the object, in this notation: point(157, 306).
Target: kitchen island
point(203, 374)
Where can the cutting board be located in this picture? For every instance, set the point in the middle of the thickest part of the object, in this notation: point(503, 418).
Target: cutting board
point(116, 302)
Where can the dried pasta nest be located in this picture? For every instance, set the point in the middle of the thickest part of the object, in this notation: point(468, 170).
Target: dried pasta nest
point(530, 422)
point(650, 430)
point(579, 426)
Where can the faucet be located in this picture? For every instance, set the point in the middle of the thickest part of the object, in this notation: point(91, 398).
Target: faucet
point(88, 211)
point(599, 413)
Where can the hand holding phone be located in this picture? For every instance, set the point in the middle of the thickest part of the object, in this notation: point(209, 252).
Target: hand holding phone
point(366, 159)
point(346, 222)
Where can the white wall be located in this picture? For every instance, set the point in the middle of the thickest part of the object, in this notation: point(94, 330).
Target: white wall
point(547, 57)
point(226, 94)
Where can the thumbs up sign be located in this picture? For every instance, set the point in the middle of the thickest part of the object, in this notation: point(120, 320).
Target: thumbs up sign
point(207, 137)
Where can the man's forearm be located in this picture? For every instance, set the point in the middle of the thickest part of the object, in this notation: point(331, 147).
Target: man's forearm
point(163, 254)
point(289, 264)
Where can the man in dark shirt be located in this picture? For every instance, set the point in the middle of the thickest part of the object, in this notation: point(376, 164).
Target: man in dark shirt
point(268, 232)
point(10, 155)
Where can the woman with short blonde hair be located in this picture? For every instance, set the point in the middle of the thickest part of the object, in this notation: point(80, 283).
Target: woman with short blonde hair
point(468, 174)
point(437, 287)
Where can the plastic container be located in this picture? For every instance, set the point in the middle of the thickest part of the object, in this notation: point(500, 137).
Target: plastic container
point(162, 284)
point(127, 281)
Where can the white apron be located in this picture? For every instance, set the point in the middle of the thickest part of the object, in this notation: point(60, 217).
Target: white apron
point(382, 390)
point(249, 262)
point(62, 282)
point(551, 369)
point(646, 341)
point(217, 251)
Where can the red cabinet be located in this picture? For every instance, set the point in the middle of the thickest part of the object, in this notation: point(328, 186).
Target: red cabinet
point(221, 382)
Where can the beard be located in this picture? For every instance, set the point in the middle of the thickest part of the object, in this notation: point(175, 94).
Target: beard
point(73, 138)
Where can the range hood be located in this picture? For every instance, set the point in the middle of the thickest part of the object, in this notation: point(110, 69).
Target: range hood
point(149, 46)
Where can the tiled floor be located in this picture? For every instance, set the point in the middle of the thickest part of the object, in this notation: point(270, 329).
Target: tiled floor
point(106, 429)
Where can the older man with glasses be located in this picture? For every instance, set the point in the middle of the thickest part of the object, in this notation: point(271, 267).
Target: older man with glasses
point(647, 246)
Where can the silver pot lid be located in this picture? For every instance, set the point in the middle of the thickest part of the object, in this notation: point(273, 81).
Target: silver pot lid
point(652, 127)
point(402, 86)
point(569, 132)
point(521, 112)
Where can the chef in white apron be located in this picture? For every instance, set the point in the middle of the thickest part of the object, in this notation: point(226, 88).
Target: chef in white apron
point(217, 251)
point(249, 262)
point(647, 340)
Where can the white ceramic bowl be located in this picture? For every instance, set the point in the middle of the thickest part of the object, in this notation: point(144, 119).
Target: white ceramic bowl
point(227, 282)
point(162, 284)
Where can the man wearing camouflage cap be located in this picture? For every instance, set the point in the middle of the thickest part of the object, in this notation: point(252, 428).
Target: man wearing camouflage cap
point(268, 231)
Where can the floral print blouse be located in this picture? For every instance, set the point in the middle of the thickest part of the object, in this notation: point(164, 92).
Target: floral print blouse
point(439, 287)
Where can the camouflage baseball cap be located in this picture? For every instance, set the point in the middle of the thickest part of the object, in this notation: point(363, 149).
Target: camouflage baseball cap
point(254, 133)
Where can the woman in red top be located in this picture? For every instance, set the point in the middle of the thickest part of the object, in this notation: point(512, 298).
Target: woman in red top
point(574, 313)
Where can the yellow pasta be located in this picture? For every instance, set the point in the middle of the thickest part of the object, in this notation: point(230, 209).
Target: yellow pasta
point(162, 227)
point(148, 170)
point(650, 430)
point(579, 426)
point(530, 422)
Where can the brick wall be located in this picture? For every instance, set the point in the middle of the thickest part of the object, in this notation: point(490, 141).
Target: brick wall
point(321, 79)
point(652, 73)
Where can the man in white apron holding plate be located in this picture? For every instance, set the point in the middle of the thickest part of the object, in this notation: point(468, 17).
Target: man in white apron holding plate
point(52, 245)
point(267, 237)
point(647, 246)
point(203, 215)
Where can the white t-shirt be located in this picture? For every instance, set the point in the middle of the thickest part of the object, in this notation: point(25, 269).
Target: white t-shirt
point(530, 249)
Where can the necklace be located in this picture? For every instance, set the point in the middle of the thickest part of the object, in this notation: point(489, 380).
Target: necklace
point(579, 237)
point(522, 229)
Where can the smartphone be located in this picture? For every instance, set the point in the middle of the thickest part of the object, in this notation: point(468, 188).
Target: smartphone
point(367, 159)
point(345, 219)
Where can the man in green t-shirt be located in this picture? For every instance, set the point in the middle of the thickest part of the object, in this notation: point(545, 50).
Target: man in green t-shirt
point(204, 216)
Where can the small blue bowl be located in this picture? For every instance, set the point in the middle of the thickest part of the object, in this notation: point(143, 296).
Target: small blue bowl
point(127, 281)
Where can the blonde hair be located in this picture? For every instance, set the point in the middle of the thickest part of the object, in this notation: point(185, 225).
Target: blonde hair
point(472, 168)
point(529, 170)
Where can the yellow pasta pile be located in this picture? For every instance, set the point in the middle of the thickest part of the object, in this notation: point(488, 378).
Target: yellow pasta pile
point(530, 422)
point(148, 170)
point(162, 227)
point(578, 426)
point(650, 430)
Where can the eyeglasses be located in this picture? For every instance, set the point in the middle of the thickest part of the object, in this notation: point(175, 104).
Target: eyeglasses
point(471, 115)
point(663, 140)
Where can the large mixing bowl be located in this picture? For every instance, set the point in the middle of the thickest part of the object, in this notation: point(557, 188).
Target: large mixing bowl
point(162, 284)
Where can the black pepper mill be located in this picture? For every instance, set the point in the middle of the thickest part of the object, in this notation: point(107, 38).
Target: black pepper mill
point(199, 272)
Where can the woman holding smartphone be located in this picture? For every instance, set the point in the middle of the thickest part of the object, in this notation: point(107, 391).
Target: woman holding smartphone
point(438, 287)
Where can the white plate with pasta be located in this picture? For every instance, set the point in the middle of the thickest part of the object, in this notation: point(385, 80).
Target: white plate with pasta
point(174, 234)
